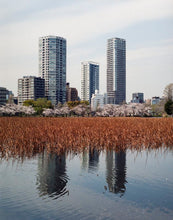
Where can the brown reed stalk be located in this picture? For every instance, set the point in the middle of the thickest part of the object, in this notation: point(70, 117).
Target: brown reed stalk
point(27, 136)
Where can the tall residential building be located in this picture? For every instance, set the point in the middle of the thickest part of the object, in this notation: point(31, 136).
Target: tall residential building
point(89, 80)
point(52, 67)
point(30, 87)
point(71, 93)
point(116, 71)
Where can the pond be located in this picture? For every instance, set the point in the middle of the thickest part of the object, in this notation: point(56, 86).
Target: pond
point(89, 185)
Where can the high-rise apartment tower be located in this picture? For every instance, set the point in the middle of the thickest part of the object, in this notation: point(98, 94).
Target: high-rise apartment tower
point(89, 80)
point(52, 67)
point(116, 71)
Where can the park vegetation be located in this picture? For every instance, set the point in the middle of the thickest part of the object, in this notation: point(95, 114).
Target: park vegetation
point(31, 108)
point(168, 93)
point(39, 105)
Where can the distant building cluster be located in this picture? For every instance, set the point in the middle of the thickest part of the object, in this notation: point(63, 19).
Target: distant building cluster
point(52, 75)
point(51, 80)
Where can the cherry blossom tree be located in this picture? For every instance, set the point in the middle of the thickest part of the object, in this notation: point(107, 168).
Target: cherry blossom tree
point(132, 109)
point(16, 110)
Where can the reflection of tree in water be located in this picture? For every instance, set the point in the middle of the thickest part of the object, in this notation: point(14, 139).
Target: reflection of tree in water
point(52, 177)
point(90, 160)
point(116, 172)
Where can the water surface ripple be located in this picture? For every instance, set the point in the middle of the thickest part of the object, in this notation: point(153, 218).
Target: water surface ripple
point(90, 185)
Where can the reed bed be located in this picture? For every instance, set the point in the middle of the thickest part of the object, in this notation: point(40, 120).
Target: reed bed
point(24, 137)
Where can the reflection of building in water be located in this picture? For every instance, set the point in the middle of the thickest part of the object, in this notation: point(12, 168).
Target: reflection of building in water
point(90, 160)
point(85, 160)
point(93, 159)
point(116, 171)
point(52, 177)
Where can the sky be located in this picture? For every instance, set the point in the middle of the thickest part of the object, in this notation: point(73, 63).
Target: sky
point(146, 25)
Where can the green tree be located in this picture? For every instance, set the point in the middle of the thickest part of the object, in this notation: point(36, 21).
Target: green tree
point(43, 103)
point(169, 107)
point(168, 92)
point(39, 104)
point(29, 102)
point(84, 102)
point(72, 104)
point(158, 109)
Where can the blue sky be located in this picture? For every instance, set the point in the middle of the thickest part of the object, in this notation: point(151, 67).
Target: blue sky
point(147, 26)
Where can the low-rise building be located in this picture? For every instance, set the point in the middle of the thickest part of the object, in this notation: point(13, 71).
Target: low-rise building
point(71, 93)
point(15, 100)
point(97, 101)
point(30, 87)
point(138, 97)
point(155, 100)
point(4, 95)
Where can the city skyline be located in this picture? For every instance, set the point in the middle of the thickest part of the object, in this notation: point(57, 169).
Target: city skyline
point(147, 27)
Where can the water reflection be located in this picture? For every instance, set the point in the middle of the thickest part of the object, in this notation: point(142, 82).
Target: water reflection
point(148, 194)
point(52, 178)
point(52, 175)
point(90, 160)
point(116, 172)
point(93, 159)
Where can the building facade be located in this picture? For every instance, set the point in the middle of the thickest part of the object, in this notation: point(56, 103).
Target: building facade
point(89, 80)
point(97, 100)
point(4, 95)
point(71, 93)
point(116, 71)
point(30, 87)
point(138, 97)
point(52, 67)
point(155, 100)
point(105, 99)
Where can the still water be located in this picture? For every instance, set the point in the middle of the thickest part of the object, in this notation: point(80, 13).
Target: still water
point(91, 185)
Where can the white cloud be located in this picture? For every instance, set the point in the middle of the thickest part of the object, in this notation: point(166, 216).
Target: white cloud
point(149, 70)
point(151, 52)
point(93, 22)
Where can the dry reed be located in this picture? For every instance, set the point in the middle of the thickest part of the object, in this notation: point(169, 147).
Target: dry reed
point(24, 137)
